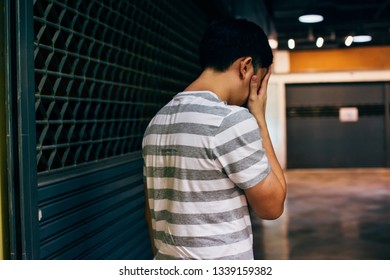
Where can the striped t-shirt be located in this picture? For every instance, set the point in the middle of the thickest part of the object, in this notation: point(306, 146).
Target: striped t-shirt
point(199, 154)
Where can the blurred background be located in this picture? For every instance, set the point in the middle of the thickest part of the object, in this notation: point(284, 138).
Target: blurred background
point(80, 80)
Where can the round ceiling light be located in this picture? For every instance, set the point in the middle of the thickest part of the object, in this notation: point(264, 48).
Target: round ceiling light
point(361, 38)
point(311, 18)
point(320, 42)
point(349, 41)
point(291, 44)
point(273, 43)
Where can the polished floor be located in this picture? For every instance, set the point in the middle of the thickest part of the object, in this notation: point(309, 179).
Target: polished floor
point(331, 214)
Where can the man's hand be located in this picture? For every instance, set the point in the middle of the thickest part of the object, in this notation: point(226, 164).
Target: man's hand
point(257, 100)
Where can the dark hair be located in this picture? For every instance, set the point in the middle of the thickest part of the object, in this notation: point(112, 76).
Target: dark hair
point(226, 41)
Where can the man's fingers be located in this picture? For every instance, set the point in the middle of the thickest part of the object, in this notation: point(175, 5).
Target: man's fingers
point(253, 85)
point(267, 76)
point(264, 82)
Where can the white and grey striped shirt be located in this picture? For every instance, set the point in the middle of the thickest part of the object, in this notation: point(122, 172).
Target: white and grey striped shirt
point(199, 154)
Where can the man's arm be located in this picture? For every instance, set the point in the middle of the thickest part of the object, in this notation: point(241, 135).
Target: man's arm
point(268, 196)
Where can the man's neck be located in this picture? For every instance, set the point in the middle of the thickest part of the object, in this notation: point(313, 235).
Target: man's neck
point(221, 83)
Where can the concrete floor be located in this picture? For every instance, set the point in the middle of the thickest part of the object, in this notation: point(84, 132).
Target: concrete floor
point(330, 214)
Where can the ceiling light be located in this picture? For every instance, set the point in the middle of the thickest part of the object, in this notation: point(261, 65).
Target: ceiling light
point(320, 42)
point(311, 18)
point(348, 41)
point(273, 43)
point(291, 44)
point(362, 38)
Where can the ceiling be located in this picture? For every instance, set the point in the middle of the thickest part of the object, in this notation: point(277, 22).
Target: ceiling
point(341, 19)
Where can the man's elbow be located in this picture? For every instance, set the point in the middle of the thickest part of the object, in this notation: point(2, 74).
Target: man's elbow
point(271, 214)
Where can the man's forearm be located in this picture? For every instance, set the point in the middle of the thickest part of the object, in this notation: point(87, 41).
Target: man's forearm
point(270, 152)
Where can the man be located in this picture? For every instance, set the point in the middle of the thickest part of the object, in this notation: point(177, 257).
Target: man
point(206, 156)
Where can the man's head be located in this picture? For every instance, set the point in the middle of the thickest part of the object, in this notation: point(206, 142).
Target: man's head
point(226, 41)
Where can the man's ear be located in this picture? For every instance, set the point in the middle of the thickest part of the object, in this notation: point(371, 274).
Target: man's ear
point(246, 67)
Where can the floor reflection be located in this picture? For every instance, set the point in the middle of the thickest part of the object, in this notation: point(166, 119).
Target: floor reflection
point(330, 214)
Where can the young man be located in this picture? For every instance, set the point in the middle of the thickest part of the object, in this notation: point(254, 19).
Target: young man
point(206, 156)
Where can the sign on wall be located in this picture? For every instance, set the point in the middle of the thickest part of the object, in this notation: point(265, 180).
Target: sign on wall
point(348, 114)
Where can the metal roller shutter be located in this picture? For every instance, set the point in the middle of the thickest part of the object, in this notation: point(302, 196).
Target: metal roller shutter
point(319, 137)
point(102, 70)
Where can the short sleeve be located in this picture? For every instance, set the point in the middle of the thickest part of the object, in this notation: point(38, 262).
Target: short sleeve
point(239, 151)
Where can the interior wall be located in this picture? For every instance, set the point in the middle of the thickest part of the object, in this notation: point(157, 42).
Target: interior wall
point(357, 58)
point(276, 118)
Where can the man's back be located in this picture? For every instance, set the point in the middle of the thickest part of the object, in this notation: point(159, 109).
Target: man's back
point(199, 154)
